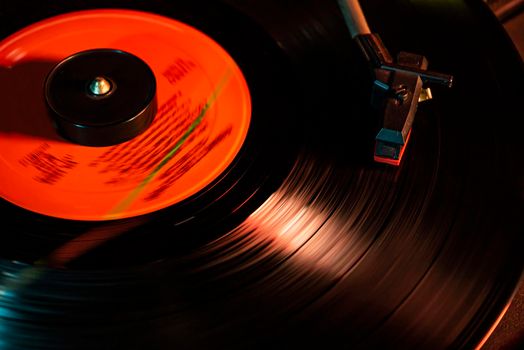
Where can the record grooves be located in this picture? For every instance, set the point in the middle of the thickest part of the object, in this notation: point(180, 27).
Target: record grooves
point(298, 239)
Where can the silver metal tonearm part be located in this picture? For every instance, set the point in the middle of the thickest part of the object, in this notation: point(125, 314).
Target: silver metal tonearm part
point(398, 87)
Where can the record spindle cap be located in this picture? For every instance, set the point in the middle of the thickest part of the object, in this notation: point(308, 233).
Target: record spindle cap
point(101, 97)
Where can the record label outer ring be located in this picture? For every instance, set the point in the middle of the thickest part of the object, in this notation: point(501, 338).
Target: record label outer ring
point(204, 111)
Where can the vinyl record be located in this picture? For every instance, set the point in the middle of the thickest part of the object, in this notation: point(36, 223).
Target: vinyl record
point(56, 176)
point(288, 235)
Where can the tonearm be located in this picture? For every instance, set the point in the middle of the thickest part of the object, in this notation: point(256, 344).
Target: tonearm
point(398, 87)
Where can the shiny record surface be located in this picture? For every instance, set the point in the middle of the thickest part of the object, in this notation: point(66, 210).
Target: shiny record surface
point(303, 241)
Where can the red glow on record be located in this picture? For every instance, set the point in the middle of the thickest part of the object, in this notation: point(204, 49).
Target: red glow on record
point(204, 112)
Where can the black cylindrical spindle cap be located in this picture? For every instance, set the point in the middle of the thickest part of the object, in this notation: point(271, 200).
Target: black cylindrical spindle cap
point(101, 97)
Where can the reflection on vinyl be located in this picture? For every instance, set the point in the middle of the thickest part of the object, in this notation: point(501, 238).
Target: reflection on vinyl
point(250, 212)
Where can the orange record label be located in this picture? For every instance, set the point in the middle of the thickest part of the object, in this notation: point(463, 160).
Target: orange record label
point(204, 111)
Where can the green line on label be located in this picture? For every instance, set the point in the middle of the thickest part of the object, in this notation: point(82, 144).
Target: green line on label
point(126, 202)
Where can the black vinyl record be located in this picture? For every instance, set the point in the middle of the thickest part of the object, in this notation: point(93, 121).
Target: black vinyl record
point(303, 241)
